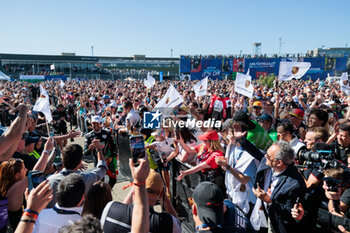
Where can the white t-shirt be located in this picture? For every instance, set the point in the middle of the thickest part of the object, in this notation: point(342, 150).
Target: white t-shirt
point(164, 146)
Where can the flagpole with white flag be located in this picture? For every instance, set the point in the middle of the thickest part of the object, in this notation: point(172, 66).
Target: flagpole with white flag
point(149, 81)
point(200, 88)
point(171, 99)
point(43, 105)
point(292, 70)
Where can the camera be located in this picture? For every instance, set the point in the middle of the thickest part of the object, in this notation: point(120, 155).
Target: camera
point(316, 156)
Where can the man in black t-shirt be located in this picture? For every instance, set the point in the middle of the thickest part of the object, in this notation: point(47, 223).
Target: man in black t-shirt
point(342, 145)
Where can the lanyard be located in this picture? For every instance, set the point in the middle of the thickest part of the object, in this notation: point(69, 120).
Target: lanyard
point(62, 211)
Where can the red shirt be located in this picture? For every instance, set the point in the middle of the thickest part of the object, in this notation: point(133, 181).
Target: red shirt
point(208, 157)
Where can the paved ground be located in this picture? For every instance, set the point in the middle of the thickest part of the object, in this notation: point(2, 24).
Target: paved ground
point(117, 193)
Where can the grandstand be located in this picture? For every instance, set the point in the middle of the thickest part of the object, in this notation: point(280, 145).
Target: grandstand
point(87, 67)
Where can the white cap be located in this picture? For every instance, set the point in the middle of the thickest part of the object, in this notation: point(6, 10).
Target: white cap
point(113, 105)
point(92, 98)
point(96, 119)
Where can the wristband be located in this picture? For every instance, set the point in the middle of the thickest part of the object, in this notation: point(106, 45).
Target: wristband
point(27, 220)
point(46, 151)
point(31, 211)
point(30, 215)
point(136, 184)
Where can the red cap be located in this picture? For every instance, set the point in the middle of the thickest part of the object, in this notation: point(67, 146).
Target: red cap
point(209, 135)
point(298, 113)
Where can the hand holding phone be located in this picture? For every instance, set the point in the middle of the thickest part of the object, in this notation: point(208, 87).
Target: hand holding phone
point(35, 178)
point(137, 147)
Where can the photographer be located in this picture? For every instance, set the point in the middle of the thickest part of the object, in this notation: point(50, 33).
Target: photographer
point(335, 186)
point(342, 144)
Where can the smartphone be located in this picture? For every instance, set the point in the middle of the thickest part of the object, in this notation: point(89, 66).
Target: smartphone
point(35, 178)
point(137, 147)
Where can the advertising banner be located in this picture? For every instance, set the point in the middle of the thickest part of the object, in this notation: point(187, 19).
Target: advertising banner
point(269, 66)
point(32, 78)
point(238, 65)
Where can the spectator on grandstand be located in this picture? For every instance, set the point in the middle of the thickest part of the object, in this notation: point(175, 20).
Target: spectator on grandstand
point(96, 199)
point(70, 198)
point(206, 154)
point(71, 160)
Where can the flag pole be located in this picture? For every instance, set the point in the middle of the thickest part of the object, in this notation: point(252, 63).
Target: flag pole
point(48, 128)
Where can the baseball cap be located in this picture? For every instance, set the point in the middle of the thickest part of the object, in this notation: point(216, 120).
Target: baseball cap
point(298, 113)
point(105, 97)
point(209, 135)
point(154, 182)
point(112, 105)
point(257, 104)
point(265, 117)
point(30, 140)
point(120, 109)
point(96, 119)
point(243, 118)
point(92, 98)
point(209, 200)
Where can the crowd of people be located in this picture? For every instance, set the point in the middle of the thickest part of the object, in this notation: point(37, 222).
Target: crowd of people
point(277, 162)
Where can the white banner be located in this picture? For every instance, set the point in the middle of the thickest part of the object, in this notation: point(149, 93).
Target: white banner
point(171, 99)
point(4, 76)
point(43, 104)
point(201, 87)
point(290, 70)
point(150, 81)
point(243, 84)
point(344, 83)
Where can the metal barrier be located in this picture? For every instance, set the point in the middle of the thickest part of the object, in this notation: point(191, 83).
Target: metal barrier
point(181, 190)
point(123, 145)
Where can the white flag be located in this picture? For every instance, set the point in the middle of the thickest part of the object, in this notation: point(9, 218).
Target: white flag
point(171, 99)
point(62, 84)
point(243, 84)
point(149, 81)
point(201, 88)
point(290, 70)
point(43, 104)
point(344, 83)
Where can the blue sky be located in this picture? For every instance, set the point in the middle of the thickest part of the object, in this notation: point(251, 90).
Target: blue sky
point(153, 28)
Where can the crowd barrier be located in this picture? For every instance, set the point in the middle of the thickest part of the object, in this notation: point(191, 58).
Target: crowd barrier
point(181, 191)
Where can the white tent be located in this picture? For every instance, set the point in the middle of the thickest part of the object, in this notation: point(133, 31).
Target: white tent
point(4, 76)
